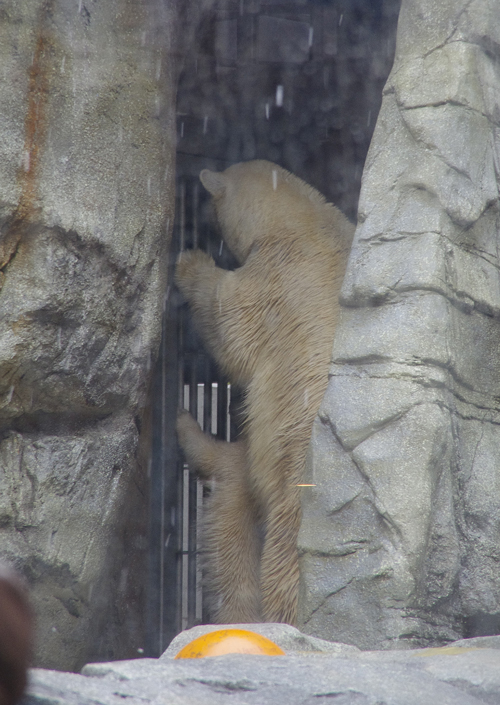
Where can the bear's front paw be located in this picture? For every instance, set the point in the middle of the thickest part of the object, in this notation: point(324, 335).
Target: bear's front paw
point(188, 430)
point(191, 266)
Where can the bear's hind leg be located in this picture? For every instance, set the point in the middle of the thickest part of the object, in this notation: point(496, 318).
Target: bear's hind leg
point(233, 546)
point(230, 532)
point(279, 564)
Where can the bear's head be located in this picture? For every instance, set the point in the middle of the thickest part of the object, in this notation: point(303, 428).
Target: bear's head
point(257, 201)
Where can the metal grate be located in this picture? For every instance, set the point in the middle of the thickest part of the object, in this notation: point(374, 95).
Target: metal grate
point(176, 595)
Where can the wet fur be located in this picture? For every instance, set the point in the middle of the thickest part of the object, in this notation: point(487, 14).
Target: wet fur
point(231, 540)
point(269, 325)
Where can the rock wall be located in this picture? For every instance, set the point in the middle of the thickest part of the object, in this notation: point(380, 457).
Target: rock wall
point(311, 671)
point(400, 536)
point(87, 148)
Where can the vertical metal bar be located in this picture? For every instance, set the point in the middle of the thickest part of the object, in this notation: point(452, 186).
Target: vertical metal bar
point(199, 572)
point(207, 397)
point(200, 402)
point(213, 428)
point(182, 215)
point(221, 410)
point(184, 606)
point(228, 412)
point(193, 388)
point(185, 528)
point(180, 481)
point(191, 215)
point(192, 551)
point(185, 548)
point(198, 609)
point(195, 214)
point(191, 526)
point(163, 487)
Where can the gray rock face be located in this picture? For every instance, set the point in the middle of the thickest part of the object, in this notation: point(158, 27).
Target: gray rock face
point(87, 152)
point(285, 636)
point(465, 674)
point(400, 535)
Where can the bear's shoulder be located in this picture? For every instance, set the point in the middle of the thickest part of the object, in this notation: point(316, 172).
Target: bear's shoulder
point(290, 207)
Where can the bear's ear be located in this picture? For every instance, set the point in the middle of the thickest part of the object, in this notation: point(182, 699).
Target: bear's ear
point(213, 181)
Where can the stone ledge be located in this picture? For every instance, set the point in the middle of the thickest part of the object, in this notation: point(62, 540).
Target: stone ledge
point(466, 672)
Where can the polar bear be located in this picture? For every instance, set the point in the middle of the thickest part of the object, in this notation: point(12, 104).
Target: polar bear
point(269, 325)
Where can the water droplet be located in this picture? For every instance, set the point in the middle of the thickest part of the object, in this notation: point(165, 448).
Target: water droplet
point(275, 179)
point(341, 18)
point(267, 111)
point(279, 96)
point(311, 35)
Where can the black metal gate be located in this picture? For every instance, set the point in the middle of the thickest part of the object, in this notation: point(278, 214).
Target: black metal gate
point(187, 378)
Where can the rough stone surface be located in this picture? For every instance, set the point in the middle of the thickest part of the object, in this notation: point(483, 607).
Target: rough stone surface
point(87, 151)
point(400, 535)
point(287, 637)
point(467, 673)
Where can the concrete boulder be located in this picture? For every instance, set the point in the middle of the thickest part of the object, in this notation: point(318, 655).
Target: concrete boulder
point(399, 538)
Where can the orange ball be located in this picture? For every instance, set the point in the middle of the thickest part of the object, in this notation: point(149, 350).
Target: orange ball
point(230, 641)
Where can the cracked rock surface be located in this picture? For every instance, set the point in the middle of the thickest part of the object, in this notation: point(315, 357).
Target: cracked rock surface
point(400, 535)
point(466, 673)
point(87, 146)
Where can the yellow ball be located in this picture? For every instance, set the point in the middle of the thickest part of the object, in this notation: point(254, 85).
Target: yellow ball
point(230, 641)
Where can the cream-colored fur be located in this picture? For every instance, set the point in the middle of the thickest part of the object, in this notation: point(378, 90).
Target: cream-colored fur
point(231, 541)
point(269, 325)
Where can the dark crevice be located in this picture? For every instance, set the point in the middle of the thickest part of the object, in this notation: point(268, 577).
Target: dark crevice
point(442, 103)
point(434, 384)
point(452, 33)
point(394, 297)
point(482, 624)
point(384, 516)
point(326, 598)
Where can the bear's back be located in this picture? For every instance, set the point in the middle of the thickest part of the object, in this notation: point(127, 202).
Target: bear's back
point(264, 203)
